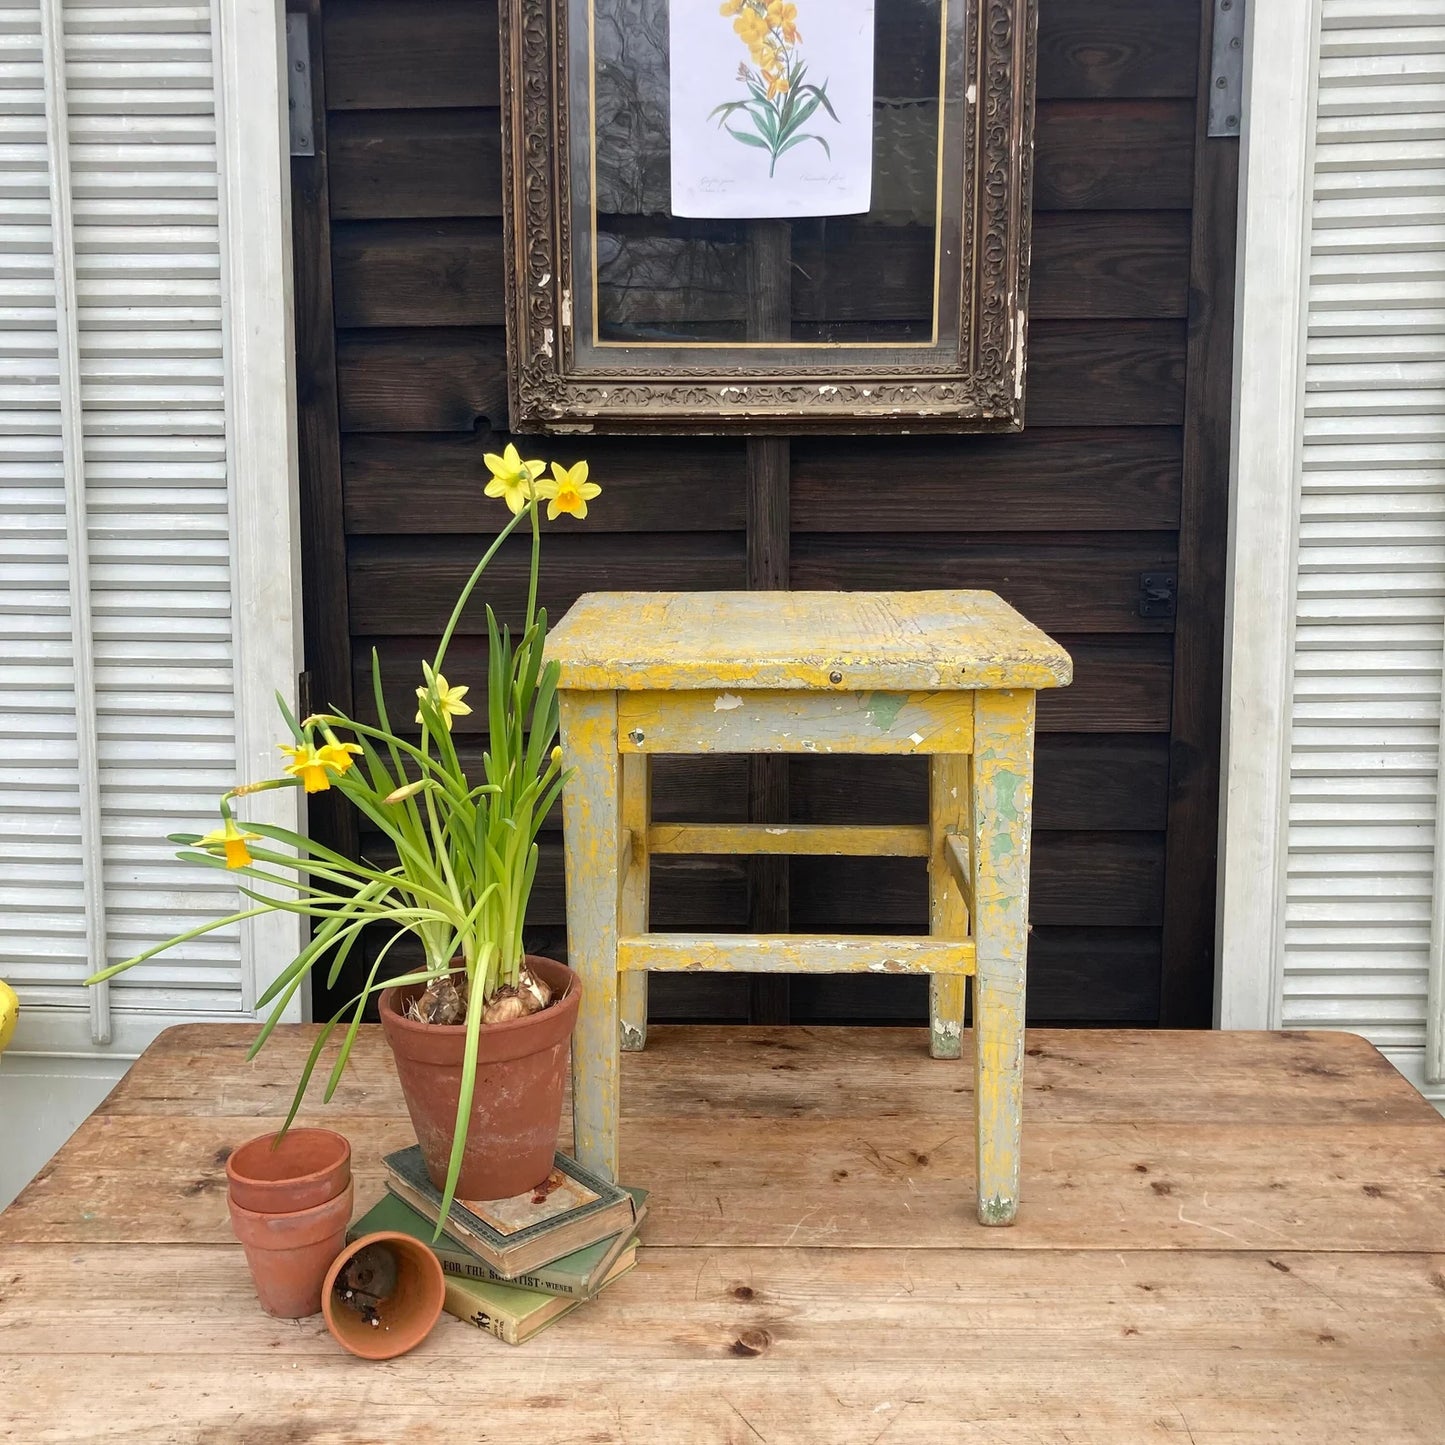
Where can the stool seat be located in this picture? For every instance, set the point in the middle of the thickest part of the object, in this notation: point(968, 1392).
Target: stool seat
point(835, 641)
point(947, 675)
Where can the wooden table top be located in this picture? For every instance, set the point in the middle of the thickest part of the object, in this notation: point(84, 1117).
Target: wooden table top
point(1225, 1239)
point(889, 641)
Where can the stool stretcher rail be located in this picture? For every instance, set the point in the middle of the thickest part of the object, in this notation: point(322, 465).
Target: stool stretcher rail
point(808, 839)
point(793, 953)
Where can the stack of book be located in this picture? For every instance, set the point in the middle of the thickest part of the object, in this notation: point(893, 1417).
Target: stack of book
point(513, 1266)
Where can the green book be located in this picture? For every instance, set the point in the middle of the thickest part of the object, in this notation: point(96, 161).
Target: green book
point(578, 1275)
point(514, 1315)
point(569, 1210)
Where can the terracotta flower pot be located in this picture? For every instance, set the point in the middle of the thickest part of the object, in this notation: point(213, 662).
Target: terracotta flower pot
point(517, 1103)
point(382, 1295)
point(289, 1254)
point(308, 1167)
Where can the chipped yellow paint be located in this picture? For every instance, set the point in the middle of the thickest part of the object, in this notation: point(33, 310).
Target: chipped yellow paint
point(947, 674)
point(635, 899)
point(793, 953)
point(831, 641)
point(948, 783)
point(811, 840)
point(591, 824)
point(1002, 803)
point(796, 722)
point(960, 869)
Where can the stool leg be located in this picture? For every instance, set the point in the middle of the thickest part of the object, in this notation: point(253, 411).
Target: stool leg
point(948, 804)
point(591, 819)
point(1002, 802)
point(636, 814)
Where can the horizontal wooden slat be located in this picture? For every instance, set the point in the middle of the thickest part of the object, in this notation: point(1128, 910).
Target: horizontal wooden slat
point(910, 841)
point(1096, 264)
point(407, 586)
point(417, 273)
point(385, 55)
point(793, 953)
point(419, 484)
point(437, 380)
point(1058, 584)
point(1303, 1081)
point(414, 163)
point(1096, 782)
point(1113, 155)
point(397, 381)
point(1121, 373)
point(1089, 155)
point(1124, 479)
point(1082, 975)
point(443, 53)
point(1100, 480)
point(763, 721)
point(449, 272)
point(1117, 48)
point(1080, 879)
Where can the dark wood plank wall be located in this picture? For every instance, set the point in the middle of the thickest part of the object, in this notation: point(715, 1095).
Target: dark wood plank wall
point(1062, 520)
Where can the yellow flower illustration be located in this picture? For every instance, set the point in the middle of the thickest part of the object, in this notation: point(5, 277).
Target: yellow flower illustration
point(233, 841)
point(780, 100)
point(446, 699)
point(512, 478)
point(568, 491)
point(314, 766)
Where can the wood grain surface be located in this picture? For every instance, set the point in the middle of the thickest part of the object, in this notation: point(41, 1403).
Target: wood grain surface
point(1237, 1239)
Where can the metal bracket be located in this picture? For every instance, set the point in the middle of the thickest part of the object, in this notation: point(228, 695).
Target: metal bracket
point(298, 85)
point(1226, 68)
point(1158, 594)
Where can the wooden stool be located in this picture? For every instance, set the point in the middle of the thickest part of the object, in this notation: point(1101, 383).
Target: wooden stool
point(948, 674)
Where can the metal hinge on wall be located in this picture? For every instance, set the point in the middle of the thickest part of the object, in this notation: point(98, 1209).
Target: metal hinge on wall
point(1158, 594)
point(1226, 68)
point(298, 85)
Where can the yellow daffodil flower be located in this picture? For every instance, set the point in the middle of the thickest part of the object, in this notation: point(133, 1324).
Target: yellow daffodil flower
point(446, 699)
point(568, 491)
point(730, 7)
point(314, 765)
point(233, 840)
point(512, 478)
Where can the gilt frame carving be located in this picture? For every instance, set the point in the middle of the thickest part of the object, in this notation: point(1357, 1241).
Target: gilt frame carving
point(977, 386)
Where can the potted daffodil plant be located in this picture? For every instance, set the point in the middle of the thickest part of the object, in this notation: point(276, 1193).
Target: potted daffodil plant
point(479, 1028)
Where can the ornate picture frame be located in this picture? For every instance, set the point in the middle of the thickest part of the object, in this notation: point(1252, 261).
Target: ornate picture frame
point(763, 345)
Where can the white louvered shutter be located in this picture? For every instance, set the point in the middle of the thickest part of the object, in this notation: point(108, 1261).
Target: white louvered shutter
point(124, 632)
point(1366, 736)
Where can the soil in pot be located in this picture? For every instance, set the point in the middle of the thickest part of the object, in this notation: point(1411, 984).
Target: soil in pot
point(517, 1103)
point(305, 1168)
point(289, 1254)
point(382, 1295)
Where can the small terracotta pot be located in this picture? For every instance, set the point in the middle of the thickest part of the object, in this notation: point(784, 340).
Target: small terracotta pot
point(289, 1254)
point(382, 1295)
point(517, 1102)
point(308, 1167)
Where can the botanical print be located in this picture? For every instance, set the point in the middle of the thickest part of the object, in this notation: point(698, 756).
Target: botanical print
point(786, 131)
point(779, 102)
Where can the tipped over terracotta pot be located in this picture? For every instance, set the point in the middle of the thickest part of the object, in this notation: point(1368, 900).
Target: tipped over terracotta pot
point(517, 1101)
point(382, 1295)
